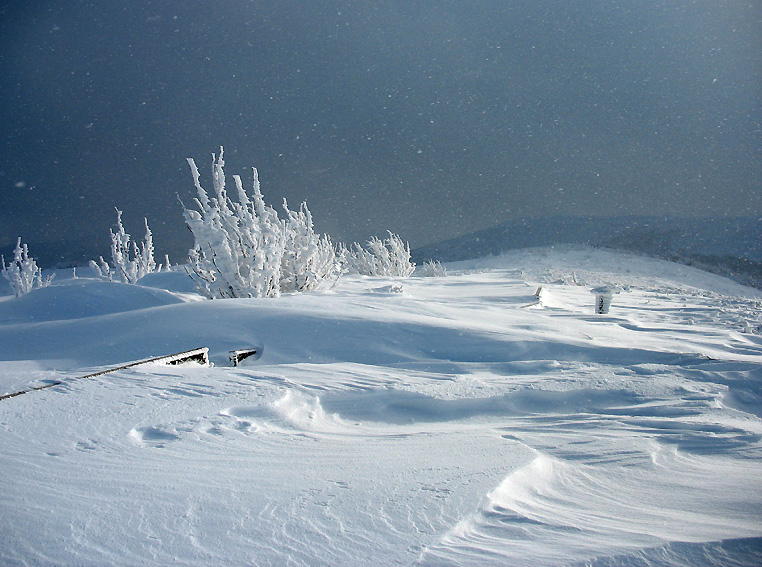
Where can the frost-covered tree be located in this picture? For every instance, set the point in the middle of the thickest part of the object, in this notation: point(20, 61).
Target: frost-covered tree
point(23, 273)
point(433, 269)
point(388, 257)
point(244, 249)
point(129, 262)
point(308, 258)
point(238, 246)
point(354, 259)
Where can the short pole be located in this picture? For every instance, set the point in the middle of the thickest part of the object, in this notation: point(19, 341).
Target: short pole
point(603, 297)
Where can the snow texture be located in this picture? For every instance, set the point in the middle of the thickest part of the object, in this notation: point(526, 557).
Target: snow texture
point(485, 417)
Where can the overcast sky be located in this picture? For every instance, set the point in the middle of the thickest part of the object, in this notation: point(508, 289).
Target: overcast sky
point(431, 119)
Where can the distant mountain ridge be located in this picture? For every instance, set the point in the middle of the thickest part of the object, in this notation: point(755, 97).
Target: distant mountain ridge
point(728, 246)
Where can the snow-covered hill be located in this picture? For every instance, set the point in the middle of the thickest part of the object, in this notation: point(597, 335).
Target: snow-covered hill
point(427, 421)
point(730, 246)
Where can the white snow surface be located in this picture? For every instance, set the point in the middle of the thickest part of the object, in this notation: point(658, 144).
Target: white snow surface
point(426, 421)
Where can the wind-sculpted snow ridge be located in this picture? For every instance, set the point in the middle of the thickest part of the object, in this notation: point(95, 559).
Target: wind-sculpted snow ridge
point(79, 298)
point(459, 420)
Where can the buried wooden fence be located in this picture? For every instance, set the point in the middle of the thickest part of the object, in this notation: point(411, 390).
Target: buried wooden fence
point(200, 355)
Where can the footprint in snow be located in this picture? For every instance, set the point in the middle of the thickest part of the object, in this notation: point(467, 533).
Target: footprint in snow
point(86, 446)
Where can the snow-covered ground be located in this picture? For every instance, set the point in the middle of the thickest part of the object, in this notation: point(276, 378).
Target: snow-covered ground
point(427, 421)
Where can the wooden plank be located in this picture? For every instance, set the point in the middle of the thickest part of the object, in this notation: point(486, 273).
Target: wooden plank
point(236, 356)
point(199, 355)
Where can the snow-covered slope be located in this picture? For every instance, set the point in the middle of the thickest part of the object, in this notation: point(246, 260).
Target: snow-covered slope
point(729, 246)
point(428, 421)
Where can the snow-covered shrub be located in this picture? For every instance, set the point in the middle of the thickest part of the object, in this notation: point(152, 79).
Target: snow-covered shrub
point(128, 263)
point(355, 259)
point(243, 249)
point(388, 257)
point(23, 273)
point(433, 269)
point(238, 246)
point(308, 258)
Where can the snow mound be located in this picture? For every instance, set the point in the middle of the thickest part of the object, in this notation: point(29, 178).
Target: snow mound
point(174, 281)
point(541, 502)
point(79, 299)
point(575, 265)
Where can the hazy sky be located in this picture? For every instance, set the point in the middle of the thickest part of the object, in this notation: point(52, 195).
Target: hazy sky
point(431, 119)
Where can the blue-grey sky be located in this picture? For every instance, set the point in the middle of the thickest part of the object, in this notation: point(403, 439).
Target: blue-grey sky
point(431, 119)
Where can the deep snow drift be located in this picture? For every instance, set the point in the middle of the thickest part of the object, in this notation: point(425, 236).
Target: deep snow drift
point(426, 421)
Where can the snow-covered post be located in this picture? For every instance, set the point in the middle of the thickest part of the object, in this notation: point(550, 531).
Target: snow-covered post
point(603, 297)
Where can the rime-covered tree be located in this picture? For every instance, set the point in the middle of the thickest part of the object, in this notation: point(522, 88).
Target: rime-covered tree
point(388, 257)
point(129, 262)
point(433, 269)
point(23, 273)
point(243, 248)
point(308, 258)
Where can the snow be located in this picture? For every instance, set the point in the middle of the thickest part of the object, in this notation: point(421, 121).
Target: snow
point(454, 420)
